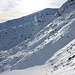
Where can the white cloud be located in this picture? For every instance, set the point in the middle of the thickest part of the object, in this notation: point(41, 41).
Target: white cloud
point(6, 5)
point(15, 8)
point(56, 3)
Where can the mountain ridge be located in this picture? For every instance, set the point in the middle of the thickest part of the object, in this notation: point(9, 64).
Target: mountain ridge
point(15, 31)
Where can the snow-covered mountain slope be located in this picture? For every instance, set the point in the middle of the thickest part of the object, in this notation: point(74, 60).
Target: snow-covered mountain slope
point(15, 31)
point(67, 7)
point(51, 52)
point(62, 63)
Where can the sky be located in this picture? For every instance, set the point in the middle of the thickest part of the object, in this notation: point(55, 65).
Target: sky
point(10, 9)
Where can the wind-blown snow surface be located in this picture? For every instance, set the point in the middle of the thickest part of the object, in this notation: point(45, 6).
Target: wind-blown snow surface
point(51, 52)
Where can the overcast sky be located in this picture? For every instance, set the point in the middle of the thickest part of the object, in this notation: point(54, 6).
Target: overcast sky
point(16, 8)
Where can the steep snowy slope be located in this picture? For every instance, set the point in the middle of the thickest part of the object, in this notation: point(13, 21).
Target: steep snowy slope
point(62, 63)
point(57, 39)
point(15, 31)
